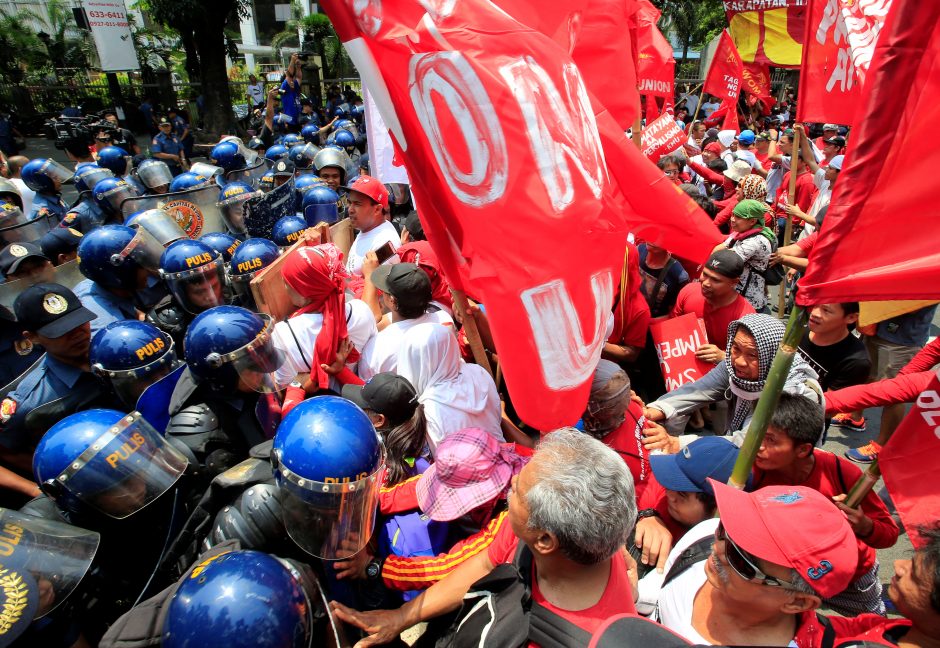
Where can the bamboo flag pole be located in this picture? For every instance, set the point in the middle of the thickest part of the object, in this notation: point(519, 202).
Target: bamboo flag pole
point(473, 333)
point(864, 485)
point(698, 106)
point(769, 397)
point(788, 230)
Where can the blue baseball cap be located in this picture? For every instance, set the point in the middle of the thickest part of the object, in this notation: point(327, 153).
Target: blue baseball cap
point(688, 470)
point(746, 137)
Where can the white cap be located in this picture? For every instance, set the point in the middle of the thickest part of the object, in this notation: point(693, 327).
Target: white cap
point(726, 137)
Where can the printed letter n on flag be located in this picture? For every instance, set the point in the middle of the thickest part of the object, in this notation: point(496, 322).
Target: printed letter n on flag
point(504, 149)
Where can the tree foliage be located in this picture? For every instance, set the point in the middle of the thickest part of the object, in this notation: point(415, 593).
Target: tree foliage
point(693, 22)
point(319, 36)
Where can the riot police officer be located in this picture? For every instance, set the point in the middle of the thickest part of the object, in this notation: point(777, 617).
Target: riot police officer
point(248, 260)
point(45, 177)
point(116, 160)
point(227, 154)
point(19, 227)
point(86, 214)
point(223, 243)
point(189, 180)
point(333, 166)
point(288, 230)
point(302, 184)
point(347, 141)
point(232, 200)
point(155, 176)
point(302, 155)
point(320, 205)
point(166, 146)
point(275, 152)
point(110, 193)
point(194, 274)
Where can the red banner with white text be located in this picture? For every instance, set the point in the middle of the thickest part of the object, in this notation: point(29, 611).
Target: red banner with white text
point(661, 136)
point(527, 185)
point(839, 44)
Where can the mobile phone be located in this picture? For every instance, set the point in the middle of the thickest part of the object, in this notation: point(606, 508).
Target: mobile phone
point(385, 252)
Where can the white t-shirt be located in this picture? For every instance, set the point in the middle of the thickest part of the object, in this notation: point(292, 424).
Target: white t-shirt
point(256, 92)
point(297, 337)
point(372, 240)
point(26, 194)
point(677, 597)
point(709, 107)
point(748, 156)
point(381, 353)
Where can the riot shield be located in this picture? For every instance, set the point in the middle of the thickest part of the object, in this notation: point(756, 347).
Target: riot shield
point(196, 210)
point(66, 274)
point(261, 213)
point(250, 174)
point(154, 403)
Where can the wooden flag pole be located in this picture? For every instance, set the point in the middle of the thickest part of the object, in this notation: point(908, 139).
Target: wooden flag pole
point(473, 333)
point(636, 131)
point(788, 229)
point(698, 106)
point(769, 398)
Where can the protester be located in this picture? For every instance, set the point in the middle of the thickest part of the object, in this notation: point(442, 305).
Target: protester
point(663, 278)
point(753, 242)
point(368, 203)
point(831, 348)
point(15, 166)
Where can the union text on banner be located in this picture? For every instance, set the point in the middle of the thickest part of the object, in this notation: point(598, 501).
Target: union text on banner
point(662, 136)
point(112, 33)
point(512, 148)
point(724, 74)
point(858, 256)
point(676, 341)
point(655, 65)
point(767, 32)
point(838, 47)
point(910, 461)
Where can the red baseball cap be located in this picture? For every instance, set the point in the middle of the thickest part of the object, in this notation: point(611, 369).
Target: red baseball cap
point(713, 147)
point(371, 187)
point(792, 526)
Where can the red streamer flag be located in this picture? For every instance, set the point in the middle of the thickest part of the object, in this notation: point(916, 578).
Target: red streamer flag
point(908, 466)
point(656, 66)
point(838, 47)
point(859, 255)
point(526, 185)
point(724, 74)
point(755, 80)
point(661, 136)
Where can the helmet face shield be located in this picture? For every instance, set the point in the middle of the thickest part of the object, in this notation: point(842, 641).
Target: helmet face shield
point(91, 175)
point(161, 226)
point(15, 226)
point(144, 249)
point(49, 559)
point(258, 363)
point(199, 289)
point(330, 521)
point(55, 171)
point(234, 215)
point(118, 195)
point(155, 174)
point(124, 470)
point(208, 170)
point(129, 384)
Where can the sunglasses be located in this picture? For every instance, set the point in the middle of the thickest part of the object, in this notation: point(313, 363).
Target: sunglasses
point(744, 564)
point(103, 139)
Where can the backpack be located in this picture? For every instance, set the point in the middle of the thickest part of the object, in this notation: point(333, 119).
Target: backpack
point(498, 612)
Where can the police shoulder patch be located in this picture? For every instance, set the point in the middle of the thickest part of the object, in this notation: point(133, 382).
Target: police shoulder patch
point(23, 346)
point(70, 217)
point(7, 409)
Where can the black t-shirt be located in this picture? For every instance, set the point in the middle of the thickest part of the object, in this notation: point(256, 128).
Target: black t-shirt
point(839, 365)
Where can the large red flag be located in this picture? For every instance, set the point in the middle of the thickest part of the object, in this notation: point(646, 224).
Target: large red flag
point(724, 74)
point(910, 462)
point(656, 66)
point(755, 81)
point(767, 33)
point(521, 180)
point(837, 50)
point(879, 239)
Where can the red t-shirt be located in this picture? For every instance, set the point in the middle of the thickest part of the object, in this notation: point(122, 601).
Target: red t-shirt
point(617, 598)
point(691, 300)
point(834, 476)
point(808, 242)
point(806, 191)
point(627, 441)
point(869, 627)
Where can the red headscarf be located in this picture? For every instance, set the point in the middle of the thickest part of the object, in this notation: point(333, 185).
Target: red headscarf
point(421, 254)
point(317, 273)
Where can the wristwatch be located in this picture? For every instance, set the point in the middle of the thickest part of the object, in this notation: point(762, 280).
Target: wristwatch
point(645, 513)
point(296, 383)
point(374, 568)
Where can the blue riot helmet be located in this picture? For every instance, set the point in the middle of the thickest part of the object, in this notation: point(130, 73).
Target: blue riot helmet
point(319, 206)
point(328, 460)
point(228, 156)
point(194, 274)
point(222, 242)
point(105, 460)
point(115, 159)
point(334, 166)
point(114, 255)
point(240, 599)
point(364, 163)
point(44, 175)
point(231, 348)
point(275, 152)
point(251, 257)
point(266, 181)
point(42, 563)
point(345, 139)
point(302, 155)
point(282, 122)
point(87, 176)
point(291, 139)
point(288, 230)
point(188, 180)
point(155, 175)
point(109, 193)
point(232, 200)
point(302, 184)
point(131, 356)
point(348, 125)
point(311, 133)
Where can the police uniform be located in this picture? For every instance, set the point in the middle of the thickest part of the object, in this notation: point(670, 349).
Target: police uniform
point(107, 306)
point(85, 215)
point(17, 354)
point(49, 206)
point(168, 143)
point(180, 126)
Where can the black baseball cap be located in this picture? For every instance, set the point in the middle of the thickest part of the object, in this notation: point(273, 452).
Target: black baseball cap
point(51, 310)
point(726, 263)
point(414, 227)
point(406, 282)
point(60, 240)
point(387, 394)
point(284, 168)
point(838, 140)
point(15, 253)
point(164, 121)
